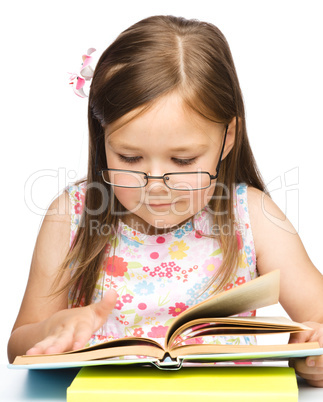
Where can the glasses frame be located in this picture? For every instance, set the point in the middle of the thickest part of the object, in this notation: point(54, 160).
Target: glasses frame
point(163, 177)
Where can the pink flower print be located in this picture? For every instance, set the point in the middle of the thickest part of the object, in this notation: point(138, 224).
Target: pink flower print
point(78, 208)
point(118, 305)
point(101, 337)
point(194, 341)
point(80, 196)
point(146, 269)
point(138, 332)
point(116, 266)
point(228, 287)
point(198, 234)
point(163, 265)
point(240, 280)
point(245, 314)
point(179, 308)
point(177, 268)
point(158, 332)
point(211, 265)
point(127, 298)
point(239, 240)
point(171, 264)
point(244, 362)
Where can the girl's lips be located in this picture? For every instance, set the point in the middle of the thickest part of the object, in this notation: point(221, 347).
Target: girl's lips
point(159, 205)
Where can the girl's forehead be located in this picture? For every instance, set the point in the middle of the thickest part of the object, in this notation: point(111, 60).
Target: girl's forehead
point(167, 117)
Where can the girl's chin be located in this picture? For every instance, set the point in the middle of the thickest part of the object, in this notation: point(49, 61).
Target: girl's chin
point(154, 225)
point(159, 226)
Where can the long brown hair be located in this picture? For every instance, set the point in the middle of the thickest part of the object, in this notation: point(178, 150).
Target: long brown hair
point(154, 57)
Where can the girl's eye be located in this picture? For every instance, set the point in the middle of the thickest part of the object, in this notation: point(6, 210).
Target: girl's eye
point(183, 162)
point(134, 159)
point(129, 159)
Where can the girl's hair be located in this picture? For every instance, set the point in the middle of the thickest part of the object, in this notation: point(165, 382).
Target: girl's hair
point(157, 56)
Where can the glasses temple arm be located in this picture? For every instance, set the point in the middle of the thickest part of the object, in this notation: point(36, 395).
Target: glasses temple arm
point(98, 173)
point(222, 150)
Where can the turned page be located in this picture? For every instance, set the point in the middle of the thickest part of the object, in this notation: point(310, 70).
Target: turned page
point(260, 292)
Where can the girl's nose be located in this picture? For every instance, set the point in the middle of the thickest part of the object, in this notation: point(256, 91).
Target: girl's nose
point(156, 182)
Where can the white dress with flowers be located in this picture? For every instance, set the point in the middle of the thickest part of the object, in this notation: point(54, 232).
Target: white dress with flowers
point(159, 276)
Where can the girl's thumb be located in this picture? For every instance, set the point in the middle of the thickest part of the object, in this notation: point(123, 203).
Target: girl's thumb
point(110, 298)
point(299, 337)
point(104, 307)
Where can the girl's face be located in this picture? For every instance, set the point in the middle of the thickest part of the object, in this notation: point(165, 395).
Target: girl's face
point(166, 138)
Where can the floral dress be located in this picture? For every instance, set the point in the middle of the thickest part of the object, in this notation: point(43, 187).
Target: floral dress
point(159, 276)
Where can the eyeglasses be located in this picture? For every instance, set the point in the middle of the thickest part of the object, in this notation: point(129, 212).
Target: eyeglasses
point(181, 181)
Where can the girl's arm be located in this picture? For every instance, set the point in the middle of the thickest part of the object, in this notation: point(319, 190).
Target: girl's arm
point(50, 249)
point(44, 324)
point(278, 246)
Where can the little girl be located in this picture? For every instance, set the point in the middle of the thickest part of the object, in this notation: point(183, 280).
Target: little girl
point(172, 208)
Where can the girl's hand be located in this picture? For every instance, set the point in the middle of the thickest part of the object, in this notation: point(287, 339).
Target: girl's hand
point(70, 329)
point(311, 368)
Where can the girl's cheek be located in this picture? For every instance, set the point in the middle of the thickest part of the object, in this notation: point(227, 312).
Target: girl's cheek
point(129, 197)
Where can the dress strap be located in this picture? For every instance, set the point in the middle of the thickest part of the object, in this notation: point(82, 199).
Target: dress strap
point(77, 195)
point(244, 227)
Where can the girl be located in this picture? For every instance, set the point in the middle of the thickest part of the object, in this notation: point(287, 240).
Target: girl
point(172, 208)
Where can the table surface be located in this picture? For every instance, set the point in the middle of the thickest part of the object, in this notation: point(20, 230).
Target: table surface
point(43, 385)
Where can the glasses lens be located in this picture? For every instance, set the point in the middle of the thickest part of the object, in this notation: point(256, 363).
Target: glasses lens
point(124, 178)
point(188, 181)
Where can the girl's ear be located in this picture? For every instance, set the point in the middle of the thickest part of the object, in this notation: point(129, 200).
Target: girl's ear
point(231, 135)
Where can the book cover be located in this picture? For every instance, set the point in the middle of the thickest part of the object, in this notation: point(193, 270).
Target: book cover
point(188, 384)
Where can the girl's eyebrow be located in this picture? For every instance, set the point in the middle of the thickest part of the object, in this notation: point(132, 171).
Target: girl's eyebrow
point(128, 147)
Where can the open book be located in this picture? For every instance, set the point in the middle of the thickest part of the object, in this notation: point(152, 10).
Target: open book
point(212, 316)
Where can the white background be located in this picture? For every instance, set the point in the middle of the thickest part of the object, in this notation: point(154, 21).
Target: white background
point(277, 48)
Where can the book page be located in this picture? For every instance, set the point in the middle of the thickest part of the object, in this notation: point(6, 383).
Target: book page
point(205, 349)
point(103, 350)
point(235, 326)
point(260, 292)
point(85, 355)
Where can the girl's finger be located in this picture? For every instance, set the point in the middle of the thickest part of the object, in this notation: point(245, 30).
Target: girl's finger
point(103, 308)
point(82, 335)
point(57, 343)
point(61, 342)
point(313, 383)
point(315, 361)
point(40, 347)
point(300, 337)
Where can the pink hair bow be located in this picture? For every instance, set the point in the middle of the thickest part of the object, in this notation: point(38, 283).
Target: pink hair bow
point(77, 80)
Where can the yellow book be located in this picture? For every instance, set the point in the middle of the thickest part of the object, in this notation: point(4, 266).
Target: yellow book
point(190, 384)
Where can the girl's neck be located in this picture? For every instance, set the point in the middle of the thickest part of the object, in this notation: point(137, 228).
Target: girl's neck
point(142, 226)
